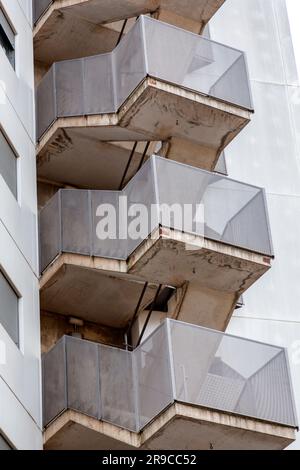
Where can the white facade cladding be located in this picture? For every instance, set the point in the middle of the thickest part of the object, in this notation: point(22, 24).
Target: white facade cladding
point(267, 153)
point(20, 390)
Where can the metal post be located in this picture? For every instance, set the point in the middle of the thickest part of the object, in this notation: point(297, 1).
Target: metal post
point(136, 391)
point(143, 156)
point(149, 315)
point(137, 308)
point(171, 358)
point(128, 165)
point(122, 31)
point(66, 372)
point(99, 383)
point(291, 388)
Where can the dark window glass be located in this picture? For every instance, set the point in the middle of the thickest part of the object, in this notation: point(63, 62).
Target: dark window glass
point(7, 38)
point(8, 164)
point(9, 309)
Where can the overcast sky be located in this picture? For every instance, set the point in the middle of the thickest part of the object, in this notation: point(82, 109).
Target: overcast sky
point(294, 15)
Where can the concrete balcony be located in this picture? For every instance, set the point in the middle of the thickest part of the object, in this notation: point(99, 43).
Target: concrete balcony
point(93, 112)
point(201, 233)
point(184, 387)
point(68, 29)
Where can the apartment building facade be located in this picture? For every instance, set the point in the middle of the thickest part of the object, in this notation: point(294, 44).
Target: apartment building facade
point(146, 245)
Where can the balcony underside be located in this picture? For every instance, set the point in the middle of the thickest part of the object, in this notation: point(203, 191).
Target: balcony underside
point(87, 162)
point(83, 150)
point(106, 291)
point(76, 28)
point(181, 426)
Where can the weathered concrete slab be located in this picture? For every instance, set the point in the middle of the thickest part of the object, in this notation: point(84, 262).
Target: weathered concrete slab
point(106, 291)
point(180, 426)
point(76, 28)
point(93, 151)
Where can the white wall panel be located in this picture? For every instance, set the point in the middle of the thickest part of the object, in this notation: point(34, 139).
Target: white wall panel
point(20, 384)
point(26, 8)
point(19, 429)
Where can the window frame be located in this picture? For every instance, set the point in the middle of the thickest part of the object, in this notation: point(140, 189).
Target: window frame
point(14, 190)
point(7, 38)
point(16, 340)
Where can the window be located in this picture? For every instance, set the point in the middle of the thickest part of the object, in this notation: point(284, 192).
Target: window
point(8, 164)
point(7, 38)
point(9, 309)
